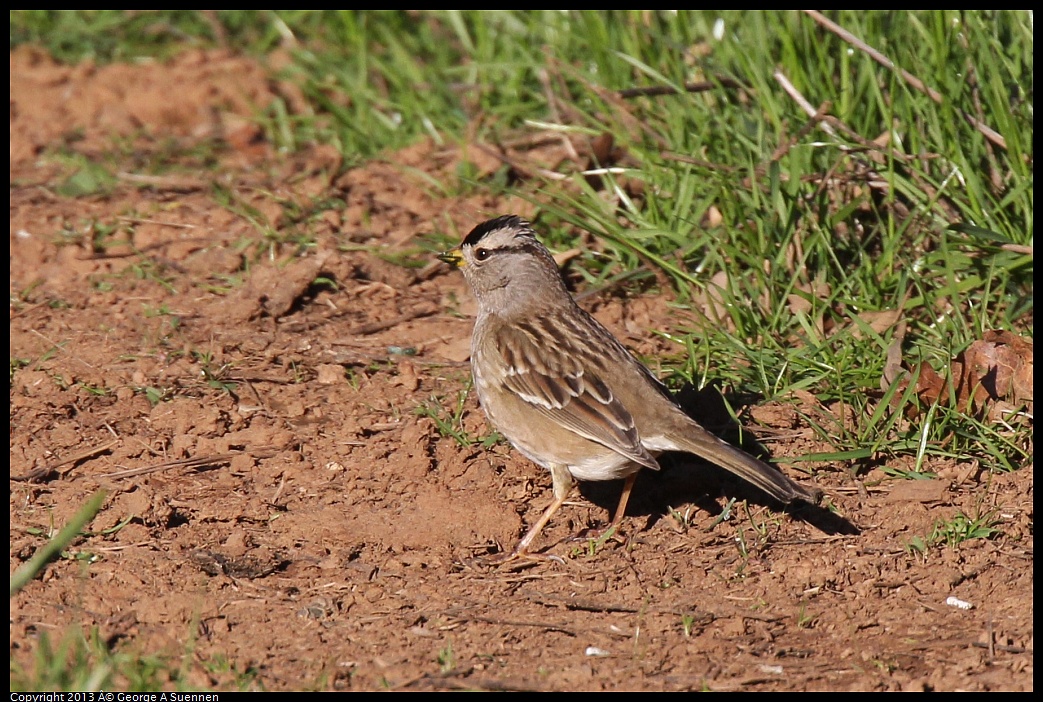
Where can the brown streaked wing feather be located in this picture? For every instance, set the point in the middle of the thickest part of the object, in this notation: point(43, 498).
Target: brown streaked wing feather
point(550, 377)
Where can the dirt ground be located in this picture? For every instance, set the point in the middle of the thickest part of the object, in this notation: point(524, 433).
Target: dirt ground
point(285, 505)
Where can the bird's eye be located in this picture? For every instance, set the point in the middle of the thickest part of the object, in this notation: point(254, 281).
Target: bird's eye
point(481, 254)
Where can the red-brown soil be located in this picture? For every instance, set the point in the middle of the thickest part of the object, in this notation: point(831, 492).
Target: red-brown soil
point(326, 537)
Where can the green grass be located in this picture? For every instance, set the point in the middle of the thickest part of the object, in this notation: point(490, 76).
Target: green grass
point(895, 202)
point(79, 659)
point(955, 531)
point(899, 200)
point(449, 421)
point(82, 661)
point(60, 541)
point(76, 661)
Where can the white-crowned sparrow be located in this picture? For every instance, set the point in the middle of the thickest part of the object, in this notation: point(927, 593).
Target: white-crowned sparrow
point(563, 389)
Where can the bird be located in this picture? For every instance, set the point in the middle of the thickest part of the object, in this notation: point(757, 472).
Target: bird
point(564, 391)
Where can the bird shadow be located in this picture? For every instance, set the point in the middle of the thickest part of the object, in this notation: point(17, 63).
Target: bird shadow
point(685, 478)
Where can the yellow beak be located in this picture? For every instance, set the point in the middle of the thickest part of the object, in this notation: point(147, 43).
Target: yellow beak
point(453, 257)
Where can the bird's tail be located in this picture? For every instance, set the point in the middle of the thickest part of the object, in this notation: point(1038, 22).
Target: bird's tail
point(699, 441)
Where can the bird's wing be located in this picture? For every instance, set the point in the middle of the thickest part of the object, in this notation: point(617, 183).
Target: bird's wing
point(558, 381)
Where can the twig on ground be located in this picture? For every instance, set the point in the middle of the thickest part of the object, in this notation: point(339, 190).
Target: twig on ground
point(52, 467)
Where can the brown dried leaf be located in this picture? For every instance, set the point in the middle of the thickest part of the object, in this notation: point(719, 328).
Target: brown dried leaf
point(602, 150)
point(930, 387)
point(995, 369)
point(564, 257)
point(712, 218)
point(879, 321)
point(1014, 376)
point(998, 367)
point(802, 303)
point(712, 303)
point(893, 368)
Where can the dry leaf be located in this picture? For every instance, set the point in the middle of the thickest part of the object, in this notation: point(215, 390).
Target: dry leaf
point(565, 256)
point(802, 304)
point(1016, 365)
point(602, 150)
point(893, 364)
point(713, 218)
point(879, 321)
point(712, 303)
point(997, 368)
